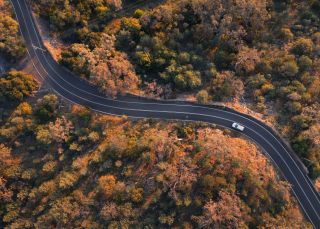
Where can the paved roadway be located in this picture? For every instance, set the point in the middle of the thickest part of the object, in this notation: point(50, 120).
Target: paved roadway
point(77, 91)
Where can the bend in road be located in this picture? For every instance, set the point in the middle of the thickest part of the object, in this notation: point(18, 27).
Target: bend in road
point(77, 91)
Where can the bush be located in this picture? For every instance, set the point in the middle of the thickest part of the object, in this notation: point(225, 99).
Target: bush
point(46, 108)
point(188, 80)
point(136, 195)
point(289, 68)
point(203, 97)
point(223, 59)
point(138, 13)
point(301, 145)
point(11, 45)
point(16, 86)
point(305, 63)
point(293, 107)
point(303, 46)
point(286, 34)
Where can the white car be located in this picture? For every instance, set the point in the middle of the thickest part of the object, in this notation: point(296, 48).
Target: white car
point(237, 126)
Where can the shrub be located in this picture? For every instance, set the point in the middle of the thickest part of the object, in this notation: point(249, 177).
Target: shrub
point(286, 34)
point(203, 97)
point(303, 46)
point(17, 86)
point(11, 45)
point(305, 63)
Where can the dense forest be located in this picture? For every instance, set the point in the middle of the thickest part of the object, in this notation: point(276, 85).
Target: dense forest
point(64, 166)
point(266, 52)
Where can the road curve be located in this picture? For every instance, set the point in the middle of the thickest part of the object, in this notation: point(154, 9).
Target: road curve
point(77, 91)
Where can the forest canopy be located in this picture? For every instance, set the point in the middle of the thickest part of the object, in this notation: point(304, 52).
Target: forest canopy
point(76, 169)
point(65, 166)
point(263, 52)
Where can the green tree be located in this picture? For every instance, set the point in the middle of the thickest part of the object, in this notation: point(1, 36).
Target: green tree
point(301, 145)
point(47, 108)
point(305, 63)
point(289, 68)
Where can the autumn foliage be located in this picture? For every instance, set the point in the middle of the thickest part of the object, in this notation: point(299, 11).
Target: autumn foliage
point(11, 43)
point(80, 169)
point(262, 53)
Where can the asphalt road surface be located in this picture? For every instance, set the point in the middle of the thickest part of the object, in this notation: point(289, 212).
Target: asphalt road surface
point(71, 88)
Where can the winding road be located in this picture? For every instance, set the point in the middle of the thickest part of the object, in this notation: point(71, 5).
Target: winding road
point(71, 88)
